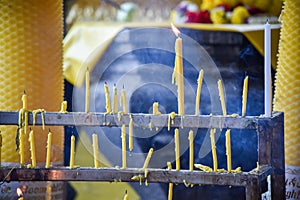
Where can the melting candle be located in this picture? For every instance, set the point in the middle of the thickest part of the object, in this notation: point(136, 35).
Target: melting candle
point(63, 107)
point(178, 71)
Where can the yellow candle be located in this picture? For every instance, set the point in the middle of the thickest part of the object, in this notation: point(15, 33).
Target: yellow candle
point(107, 98)
point(170, 195)
point(146, 163)
point(115, 100)
point(95, 148)
point(228, 150)
point(155, 109)
point(0, 146)
point(63, 107)
point(245, 94)
point(32, 149)
point(222, 98)
point(213, 149)
point(177, 150)
point(87, 90)
point(191, 140)
point(125, 196)
point(49, 144)
point(24, 101)
point(130, 133)
point(200, 80)
point(72, 152)
point(21, 147)
point(178, 71)
point(123, 136)
point(123, 101)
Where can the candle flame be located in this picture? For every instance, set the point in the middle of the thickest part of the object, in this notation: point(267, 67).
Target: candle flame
point(19, 192)
point(175, 30)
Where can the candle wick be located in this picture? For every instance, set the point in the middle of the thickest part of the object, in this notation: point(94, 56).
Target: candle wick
point(123, 86)
point(24, 92)
point(114, 84)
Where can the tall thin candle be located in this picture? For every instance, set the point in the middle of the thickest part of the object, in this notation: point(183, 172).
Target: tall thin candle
point(115, 100)
point(87, 90)
point(32, 149)
point(107, 98)
point(228, 150)
point(191, 140)
point(130, 133)
point(222, 98)
point(123, 101)
point(95, 150)
point(49, 146)
point(147, 160)
point(177, 149)
point(267, 52)
point(178, 71)
point(245, 94)
point(72, 152)
point(200, 80)
point(213, 149)
point(170, 194)
point(22, 147)
point(123, 136)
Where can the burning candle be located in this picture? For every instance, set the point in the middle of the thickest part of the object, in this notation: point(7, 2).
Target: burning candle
point(213, 149)
point(178, 71)
point(72, 152)
point(222, 98)
point(87, 90)
point(32, 149)
point(107, 98)
point(170, 195)
point(228, 150)
point(63, 107)
point(115, 100)
point(123, 136)
point(268, 92)
point(245, 94)
point(191, 140)
point(123, 101)
point(95, 148)
point(146, 163)
point(48, 153)
point(200, 80)
point(177, 150)
point(130, 133)
point(22, 147)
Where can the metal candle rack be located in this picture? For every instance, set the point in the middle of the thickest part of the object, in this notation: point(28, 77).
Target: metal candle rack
point(270, 133)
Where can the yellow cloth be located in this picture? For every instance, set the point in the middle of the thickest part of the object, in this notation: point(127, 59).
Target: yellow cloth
point(86, 42)
point(81, 48)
